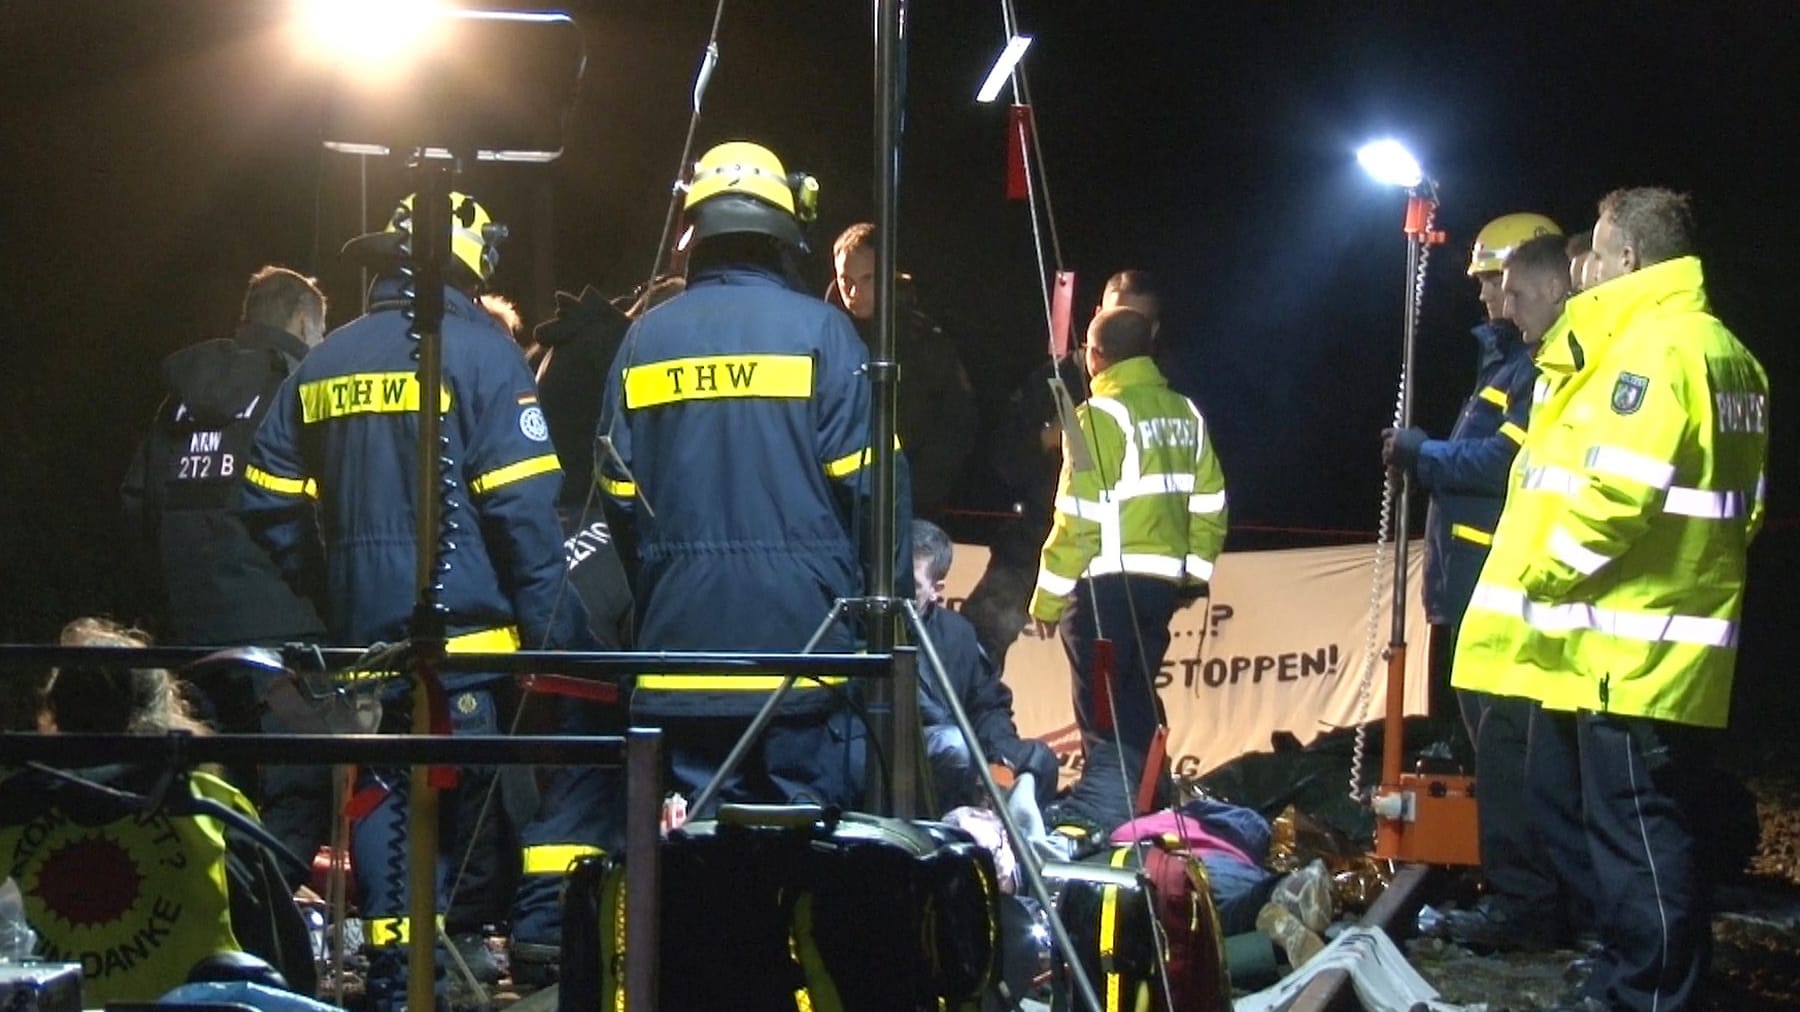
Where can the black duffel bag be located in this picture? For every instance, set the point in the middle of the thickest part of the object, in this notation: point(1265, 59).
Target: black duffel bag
point(785, 907)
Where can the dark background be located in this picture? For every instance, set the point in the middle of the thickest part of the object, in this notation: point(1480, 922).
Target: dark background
point(155, 153)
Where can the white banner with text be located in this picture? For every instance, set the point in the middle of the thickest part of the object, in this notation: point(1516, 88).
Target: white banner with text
point(1283, 645)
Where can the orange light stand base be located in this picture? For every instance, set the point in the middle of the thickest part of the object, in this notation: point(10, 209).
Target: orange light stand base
point(1432, 821)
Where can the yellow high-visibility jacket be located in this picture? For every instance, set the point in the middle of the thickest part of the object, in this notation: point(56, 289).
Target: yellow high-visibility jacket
point(1152, 504)
point(1617, 572)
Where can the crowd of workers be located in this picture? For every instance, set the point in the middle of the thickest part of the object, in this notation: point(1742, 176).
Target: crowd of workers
point(694, 473)
point(1591, 515)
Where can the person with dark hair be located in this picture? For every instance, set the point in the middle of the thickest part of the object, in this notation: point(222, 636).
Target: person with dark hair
point(1024, 454)
point(935, 416)
point(1465, 475)
point(184, 485)
point(736, 448)
point(1614, 589)
point(1140, 520)
point(338, 454)
point(1135, 289)
point(976, 681)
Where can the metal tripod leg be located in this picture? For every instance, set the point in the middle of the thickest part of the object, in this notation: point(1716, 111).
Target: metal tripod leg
point(1028, 861)
point(763, 716)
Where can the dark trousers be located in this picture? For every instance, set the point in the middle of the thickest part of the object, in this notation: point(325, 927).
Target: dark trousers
point(1444, 707)
point(800, 757)
point(1133, 612)
point(1640, 779)
point(1513, 860)
point(580, 812)
point(477, 858)
point(1553, 804)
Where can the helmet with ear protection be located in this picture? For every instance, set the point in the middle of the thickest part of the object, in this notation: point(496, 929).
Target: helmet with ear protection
point(475, 238)
point(740, 186)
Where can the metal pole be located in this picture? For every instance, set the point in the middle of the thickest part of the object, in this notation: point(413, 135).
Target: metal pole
point(883, 371)
point(431, 251)
point(1394, 722)
point(643, 865)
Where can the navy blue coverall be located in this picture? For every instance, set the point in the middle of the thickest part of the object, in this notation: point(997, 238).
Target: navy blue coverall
point(740, 411)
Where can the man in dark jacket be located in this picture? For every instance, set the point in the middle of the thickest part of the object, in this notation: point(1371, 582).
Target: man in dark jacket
point(1466, 476)
point(183, 488)
point(935, 417)
point(182, 495)
point(738, 416)
point(339, 449)
point(976, 681)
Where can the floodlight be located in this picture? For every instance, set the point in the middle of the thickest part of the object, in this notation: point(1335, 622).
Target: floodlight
point(1003, 67)
point(494, 85)
point(369, 34)
point(1388, 161)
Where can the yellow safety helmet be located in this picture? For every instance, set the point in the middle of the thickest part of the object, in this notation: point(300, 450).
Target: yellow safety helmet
point(475, 238)
point(740, 186)
point(1498, 238)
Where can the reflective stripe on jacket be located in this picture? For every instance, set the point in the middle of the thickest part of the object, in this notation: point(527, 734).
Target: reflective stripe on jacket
point(1466, 474)
point(739, 419)
point(339, 448)
point(1152, 504)
point(1617, 574)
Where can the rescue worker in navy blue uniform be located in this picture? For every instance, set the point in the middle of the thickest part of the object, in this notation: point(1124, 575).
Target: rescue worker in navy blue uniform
point(182, 494)
point(739, 416)
point(338, 449)
point(1466, 477)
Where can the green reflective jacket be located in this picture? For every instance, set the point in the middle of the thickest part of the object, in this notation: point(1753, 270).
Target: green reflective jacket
point(1152, 503)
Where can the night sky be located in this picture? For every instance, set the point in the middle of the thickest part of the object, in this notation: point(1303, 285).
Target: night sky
point(157, 151)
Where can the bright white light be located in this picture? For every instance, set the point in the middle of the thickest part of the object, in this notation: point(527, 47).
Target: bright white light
point(368, 32)
point(1389, 162)
point(1003, 67)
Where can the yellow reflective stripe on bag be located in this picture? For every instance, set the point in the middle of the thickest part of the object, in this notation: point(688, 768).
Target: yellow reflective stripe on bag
point(554, 858)
point(819, 993)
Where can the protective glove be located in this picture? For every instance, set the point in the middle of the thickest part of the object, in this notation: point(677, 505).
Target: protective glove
point(1400, 447)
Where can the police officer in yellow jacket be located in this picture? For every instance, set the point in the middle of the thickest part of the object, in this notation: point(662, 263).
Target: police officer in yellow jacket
point(1617, 577)
point(1138, 525)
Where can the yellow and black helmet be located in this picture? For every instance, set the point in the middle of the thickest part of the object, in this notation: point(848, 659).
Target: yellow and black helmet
point(474, 238)
point(1498, 238)
point(740, 186)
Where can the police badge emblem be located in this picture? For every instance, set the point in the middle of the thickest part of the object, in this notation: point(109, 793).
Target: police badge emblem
point(1628, 392)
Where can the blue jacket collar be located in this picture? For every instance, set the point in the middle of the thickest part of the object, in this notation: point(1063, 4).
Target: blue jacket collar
point(1497, 339)
point(738, 274)
point(384, 294)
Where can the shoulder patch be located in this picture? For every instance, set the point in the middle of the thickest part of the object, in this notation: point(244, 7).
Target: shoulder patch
point(1628, 392)
point(532, 424)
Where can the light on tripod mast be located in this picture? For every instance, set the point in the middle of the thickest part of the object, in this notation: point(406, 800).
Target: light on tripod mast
point(1003, 68)
point(370, 33)
point(1388, 161)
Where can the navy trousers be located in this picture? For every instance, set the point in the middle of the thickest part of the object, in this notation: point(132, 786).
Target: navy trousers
point(1640, 779)
point(1133, 612)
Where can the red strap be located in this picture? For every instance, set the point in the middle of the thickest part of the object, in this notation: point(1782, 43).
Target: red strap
point(570, 687)
point(1152, 775)
point(1062, 310)
point(1100, 678)
point(359, 804)
point(1018, 135)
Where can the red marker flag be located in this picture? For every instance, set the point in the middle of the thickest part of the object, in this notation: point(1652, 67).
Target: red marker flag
point(1018, 136)
point(1062, 307)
